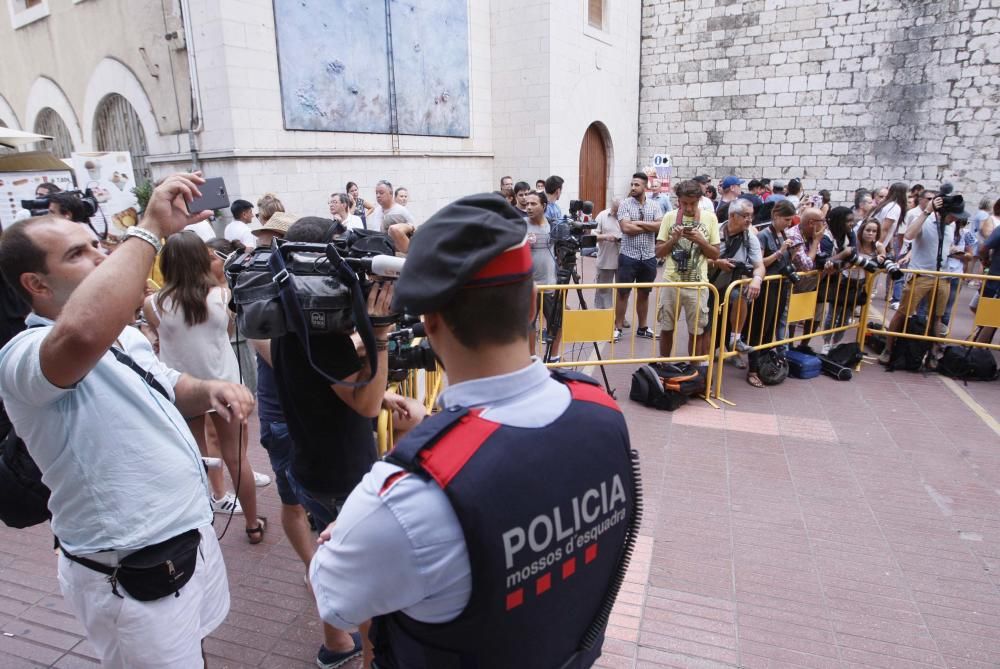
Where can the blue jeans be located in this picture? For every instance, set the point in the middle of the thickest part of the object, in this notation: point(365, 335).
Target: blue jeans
point(277, 442)
point(323, 508)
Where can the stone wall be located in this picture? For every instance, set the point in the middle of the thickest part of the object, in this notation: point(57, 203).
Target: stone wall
point(845, 93)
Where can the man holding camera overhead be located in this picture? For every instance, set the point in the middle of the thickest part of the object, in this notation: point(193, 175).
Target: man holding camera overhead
point(140, 566)
point(463, 546)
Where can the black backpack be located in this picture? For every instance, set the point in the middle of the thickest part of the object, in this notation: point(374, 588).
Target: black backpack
point(24, 498)
point(909, 354)
point(772, 367)
point(968, 363)
point(681, 377)
point(647, 389)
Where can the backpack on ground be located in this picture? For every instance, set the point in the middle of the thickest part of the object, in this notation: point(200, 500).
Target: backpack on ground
point(647, 389)
point(24, 498)
point(968, 363)
point(772, 367)
point(875, 337)
point(910, 354)
point(847, 354)
point(680, 377)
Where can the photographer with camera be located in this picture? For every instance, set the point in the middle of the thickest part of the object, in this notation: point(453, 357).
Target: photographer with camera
point(930, 237)
point(740, 257)
point(432, 546)
point(639, 220)
point(688, 239)
point(553, 191)
point(330, 424)
point(767, 313)
point(129, 498)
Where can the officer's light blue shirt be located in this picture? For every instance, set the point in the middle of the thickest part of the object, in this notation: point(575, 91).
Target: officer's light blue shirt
point(402, 549)
point(122, 465)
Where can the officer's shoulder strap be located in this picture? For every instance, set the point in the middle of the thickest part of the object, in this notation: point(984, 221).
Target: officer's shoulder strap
point(585, 388)
point(426, 434)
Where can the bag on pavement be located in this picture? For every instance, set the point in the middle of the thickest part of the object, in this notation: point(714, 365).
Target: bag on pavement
point(968, 363)
point(647, 389)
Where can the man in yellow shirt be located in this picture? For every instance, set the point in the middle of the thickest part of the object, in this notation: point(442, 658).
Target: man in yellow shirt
point(687, 245)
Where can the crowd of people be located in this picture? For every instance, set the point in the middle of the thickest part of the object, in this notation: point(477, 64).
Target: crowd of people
point(400, 565)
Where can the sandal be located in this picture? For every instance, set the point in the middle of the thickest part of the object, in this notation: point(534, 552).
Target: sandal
point(256, 534)
point(754, 380)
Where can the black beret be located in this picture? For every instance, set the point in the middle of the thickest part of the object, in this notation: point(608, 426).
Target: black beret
point(453, 246)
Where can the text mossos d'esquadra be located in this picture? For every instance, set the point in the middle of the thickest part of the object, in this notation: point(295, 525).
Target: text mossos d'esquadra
point(555, 535)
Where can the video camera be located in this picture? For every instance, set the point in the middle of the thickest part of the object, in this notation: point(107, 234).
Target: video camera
point(951, 202)
point(87, 208)
point(404, 355)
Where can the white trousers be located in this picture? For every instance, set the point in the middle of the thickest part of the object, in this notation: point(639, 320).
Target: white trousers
point(129, 634)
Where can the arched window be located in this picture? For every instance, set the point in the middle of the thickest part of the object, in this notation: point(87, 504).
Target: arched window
point(48, 122)
point(117, 128)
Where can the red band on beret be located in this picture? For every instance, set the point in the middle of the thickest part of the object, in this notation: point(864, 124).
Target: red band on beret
point(512, 265)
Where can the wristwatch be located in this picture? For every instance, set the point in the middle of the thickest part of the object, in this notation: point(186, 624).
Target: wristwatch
point(144, 235)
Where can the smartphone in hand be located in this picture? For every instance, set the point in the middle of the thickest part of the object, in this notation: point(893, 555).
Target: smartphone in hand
point(213, 196)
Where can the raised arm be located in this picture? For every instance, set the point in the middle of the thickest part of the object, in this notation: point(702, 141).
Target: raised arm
point(105, 302)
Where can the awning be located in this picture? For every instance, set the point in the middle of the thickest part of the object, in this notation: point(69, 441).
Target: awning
point(16, 138)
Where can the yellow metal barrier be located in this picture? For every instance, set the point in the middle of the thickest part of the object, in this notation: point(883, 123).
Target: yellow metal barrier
point(596, 326)
point(831, 295)
point(987, 313)
point(426, 391)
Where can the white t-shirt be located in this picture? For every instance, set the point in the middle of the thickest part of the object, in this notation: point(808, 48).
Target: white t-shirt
point(203, 229)
point(375, 220)
point(794, 199)
point(240, 232)
point(891, 212)
point(353, 222)
point(201, 350)
point(706, 204)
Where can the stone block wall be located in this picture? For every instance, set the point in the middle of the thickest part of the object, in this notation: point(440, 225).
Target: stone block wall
point(842, 93)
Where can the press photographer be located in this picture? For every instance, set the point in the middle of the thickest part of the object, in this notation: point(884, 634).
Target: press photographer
point(138, 553)
point(930, 236)
point(740, 257)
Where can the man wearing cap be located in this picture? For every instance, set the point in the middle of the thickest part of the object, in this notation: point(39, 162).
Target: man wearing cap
point(452, 568)
point(276, 227)
point(705, 204)
point(777, 192)
point(731, 189)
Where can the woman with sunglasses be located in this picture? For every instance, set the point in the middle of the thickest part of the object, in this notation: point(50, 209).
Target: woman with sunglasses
point(191, 318)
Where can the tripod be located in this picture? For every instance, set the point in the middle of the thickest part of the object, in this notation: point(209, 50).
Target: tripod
point(565, 252)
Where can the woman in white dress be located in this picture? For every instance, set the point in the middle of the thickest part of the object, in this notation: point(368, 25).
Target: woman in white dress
point(191, 317)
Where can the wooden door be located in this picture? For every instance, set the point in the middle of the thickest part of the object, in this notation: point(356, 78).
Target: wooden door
point(594, 168)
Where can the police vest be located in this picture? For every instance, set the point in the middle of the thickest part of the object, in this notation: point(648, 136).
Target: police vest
point(547, 514)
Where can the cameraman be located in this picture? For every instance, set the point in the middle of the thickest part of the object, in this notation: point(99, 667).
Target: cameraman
point(432, 545)
point(330, 425)
point(930, 237)
point(68, 205)
point(740, 257)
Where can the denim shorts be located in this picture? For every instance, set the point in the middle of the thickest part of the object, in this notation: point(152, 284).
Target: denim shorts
point(323, 508)
point(277, 442)
point(631, 270)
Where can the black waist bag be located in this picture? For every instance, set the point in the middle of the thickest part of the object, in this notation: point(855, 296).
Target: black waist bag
point(153, 572)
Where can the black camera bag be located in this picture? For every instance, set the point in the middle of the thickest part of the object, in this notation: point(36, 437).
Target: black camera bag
point(968, 363)
point(772, 367)
point(909, 354)
point(680, 377)
point(647, 389)
point(368, 243)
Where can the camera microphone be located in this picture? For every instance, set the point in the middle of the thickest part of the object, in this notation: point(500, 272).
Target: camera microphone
point(380, 265)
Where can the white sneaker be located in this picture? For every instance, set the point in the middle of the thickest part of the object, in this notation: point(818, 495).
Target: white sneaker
point(894, 306)
point(617, 336)
point(261, 480)
point(228, 504)
point(825, 349)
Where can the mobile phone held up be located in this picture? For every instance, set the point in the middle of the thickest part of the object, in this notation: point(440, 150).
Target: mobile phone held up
point(213, 196)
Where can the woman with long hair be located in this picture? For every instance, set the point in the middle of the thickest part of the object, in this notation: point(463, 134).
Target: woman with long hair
point(362, 209)
point(191, 317)
point(267, 206)
point(889, 213)
point(866, 245)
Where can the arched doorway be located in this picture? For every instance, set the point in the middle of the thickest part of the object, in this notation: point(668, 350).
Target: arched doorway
point(594, 166)
point(117, 128)
point(48, 122)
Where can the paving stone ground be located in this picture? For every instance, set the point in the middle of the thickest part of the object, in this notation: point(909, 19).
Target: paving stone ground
point(814, 524)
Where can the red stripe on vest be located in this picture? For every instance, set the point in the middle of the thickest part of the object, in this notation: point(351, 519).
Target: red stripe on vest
point(446, 458)
point(586, 392)
point(389, 482)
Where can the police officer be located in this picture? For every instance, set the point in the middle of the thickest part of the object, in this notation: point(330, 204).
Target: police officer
point(497, 533)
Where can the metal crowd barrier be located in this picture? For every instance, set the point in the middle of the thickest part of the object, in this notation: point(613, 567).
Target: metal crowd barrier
point(420, 385)
point(987, 311)
point(596, 326)
point(834, 312)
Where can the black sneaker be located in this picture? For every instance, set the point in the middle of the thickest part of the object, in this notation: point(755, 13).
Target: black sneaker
point(645, 333)
point(327, 659)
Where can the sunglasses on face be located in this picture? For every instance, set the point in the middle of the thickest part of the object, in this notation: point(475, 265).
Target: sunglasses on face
point(220, 255)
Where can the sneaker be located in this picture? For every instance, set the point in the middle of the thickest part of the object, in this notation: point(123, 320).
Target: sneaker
point(261, 480)
point(825, 350)
point(228, 504)
point(738, 344)
point(941, 330)
point(327, 659)
point(645, 333)
point(884, 358)
point(617, 336)
point(894, 306)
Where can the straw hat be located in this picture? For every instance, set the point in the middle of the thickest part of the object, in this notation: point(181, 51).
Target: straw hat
point(278, 223)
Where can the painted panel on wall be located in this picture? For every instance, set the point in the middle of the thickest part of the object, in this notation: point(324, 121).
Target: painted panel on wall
point(333, 58)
